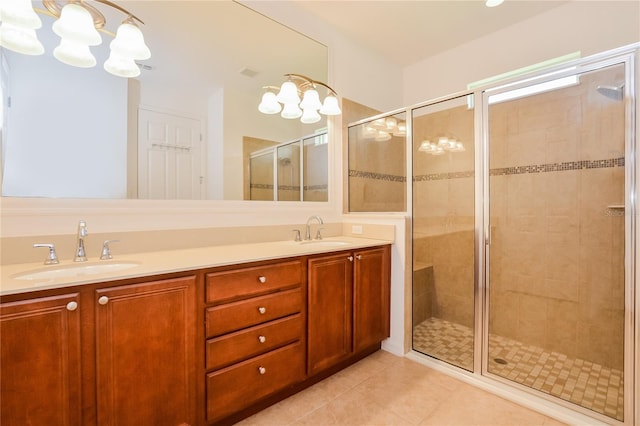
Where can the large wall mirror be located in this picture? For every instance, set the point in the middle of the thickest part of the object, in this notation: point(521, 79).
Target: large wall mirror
point(184, 129)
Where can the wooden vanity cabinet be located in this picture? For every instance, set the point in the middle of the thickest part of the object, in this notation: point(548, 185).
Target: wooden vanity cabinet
point(255, 320)
point(145, 337)
point(348, 305)
point(118, 355)
point(40, 380)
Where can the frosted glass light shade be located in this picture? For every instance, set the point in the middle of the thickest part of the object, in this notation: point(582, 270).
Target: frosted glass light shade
point(269, 104)
point(288, 94)
point(311, 100)
point(330, 106)
point(309, 116)
point(401, 130)
point(129, 42)
point(121, 66)
point(382, 136)
point(21, 40)
point(76, 54)
point(493, 3)
point(76, 24)
point(291, 111)
point(19, 13)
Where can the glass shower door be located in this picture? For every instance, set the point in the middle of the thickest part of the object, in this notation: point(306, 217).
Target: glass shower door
point(444, 231)
point(557, 223)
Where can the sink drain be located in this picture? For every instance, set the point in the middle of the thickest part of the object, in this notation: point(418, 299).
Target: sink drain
point(500, 361)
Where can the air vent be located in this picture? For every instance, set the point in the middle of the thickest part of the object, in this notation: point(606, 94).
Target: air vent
point(248, 72)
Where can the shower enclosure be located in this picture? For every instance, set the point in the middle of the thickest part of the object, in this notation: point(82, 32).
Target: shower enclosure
point(523, 236)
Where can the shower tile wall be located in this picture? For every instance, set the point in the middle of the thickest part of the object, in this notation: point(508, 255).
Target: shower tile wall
point(377, 173)
point(557, 252)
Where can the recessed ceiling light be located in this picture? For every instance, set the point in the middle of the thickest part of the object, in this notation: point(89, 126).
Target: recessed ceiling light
point(493, 3)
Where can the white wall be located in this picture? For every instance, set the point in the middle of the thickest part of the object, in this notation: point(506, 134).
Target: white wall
point(586, 26)
point(69, 101)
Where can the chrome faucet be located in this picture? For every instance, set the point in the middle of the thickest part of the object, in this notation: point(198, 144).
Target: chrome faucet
point(82, 233)
point(307, 234)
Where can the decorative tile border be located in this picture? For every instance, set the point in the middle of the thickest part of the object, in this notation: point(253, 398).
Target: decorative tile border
point(288, 187)
point(559, 167)
point(537, 168)
point(377, 176)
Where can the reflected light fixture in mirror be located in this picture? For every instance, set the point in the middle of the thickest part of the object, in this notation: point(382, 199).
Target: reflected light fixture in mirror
point(77, 25)
point(289, 96)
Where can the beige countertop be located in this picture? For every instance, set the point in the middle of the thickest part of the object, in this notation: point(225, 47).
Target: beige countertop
point(161, 262)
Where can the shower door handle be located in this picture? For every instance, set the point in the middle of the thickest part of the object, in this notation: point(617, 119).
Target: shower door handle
point(487, 236)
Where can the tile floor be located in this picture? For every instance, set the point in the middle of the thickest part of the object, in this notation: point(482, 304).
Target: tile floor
point(593, 386)
point(384, 389)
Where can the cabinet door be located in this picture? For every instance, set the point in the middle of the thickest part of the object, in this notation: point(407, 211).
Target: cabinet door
point(145, 353)
point(40, 359)
point(371, 297)
point(329, 310)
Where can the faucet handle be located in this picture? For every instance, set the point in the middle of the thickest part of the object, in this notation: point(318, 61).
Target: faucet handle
point(318, 234)
point(52, 259)
point(106, 252)
point(297, 237)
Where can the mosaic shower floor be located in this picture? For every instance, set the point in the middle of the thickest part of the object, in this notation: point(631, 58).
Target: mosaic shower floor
point(585, 383)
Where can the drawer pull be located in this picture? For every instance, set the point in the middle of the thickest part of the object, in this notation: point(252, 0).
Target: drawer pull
point(350, 258)
point(262, 279)
point(262, 310)
point(103, 300)
point(262, 339)
point(72, 306)
point(262, 370)
point(358, 256)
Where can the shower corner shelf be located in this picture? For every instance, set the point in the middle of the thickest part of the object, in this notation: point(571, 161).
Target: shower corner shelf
point(616, 207)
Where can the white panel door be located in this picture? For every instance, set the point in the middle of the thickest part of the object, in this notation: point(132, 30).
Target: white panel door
point(169, 156)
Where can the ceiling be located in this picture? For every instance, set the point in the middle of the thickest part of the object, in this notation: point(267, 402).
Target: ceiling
point(406, 32)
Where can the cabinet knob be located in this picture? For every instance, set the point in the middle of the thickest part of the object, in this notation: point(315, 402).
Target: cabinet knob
point(262, 279)
point(103, 300)
point(350, 258)
point(262, 310)
point(262, 339)
point(72, 306)
point(262, 370)
point(358, 256)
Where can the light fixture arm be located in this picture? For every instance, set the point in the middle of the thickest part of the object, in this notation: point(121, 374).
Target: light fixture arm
point(311, 82)
point(98, 18)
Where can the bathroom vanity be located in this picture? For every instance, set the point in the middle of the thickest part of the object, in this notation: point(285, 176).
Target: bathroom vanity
point(211, 343)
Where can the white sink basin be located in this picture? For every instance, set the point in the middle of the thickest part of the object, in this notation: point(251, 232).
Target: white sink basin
point(68, 271)
point(326, 243)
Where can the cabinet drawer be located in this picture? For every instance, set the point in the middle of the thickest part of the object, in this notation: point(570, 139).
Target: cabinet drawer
point(245, 313)
point(253, 341)
point(238, 283)
point(231, 389)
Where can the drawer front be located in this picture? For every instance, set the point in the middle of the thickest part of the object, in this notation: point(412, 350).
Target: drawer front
point(238, 315)
point(240, 283)
point(231, 389)
point(253, 341)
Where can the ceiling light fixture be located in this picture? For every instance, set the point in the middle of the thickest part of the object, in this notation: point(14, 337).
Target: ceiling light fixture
point(77, 25)
point(292, 107)
point(444, 144)
point(493, 3)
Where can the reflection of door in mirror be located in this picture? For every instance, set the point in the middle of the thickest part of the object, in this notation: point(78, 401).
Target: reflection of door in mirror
point(315, 170)
point(288, 169)
point(169, 156)
point(261, 176)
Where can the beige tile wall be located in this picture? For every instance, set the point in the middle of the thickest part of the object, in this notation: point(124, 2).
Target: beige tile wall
point(557, 255)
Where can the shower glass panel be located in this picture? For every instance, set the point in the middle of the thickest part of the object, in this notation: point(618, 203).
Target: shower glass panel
point(289, 172)
point(261, 176)
point(556, 274)
point(315, 159)
point(377, 165)
point(443, 231)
